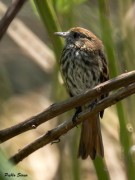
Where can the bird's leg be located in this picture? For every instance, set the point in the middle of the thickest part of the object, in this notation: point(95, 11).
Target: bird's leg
point(75, 116)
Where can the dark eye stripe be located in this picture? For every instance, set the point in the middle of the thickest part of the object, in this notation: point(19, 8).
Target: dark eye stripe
point(78, 34)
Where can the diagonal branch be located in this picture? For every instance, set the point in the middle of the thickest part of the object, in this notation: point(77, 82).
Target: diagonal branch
point(59, 108)
point(67, 125)
point(11, 12)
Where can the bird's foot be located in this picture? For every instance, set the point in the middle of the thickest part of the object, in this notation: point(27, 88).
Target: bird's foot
point(75, 116)
point(93, 104)
point(74, 119)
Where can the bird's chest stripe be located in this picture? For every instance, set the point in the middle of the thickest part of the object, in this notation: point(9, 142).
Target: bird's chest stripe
point(80, 74)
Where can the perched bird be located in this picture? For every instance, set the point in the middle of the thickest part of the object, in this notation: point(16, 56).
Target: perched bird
point(83, 65)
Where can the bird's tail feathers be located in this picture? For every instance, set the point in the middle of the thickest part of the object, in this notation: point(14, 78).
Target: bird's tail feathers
point(91, 139)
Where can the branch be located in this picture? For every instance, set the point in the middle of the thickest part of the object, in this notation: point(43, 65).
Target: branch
point(59, 108)
point(11, 12)
point(67, 125)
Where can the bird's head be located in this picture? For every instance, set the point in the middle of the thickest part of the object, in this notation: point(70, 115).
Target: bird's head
point(78, 35)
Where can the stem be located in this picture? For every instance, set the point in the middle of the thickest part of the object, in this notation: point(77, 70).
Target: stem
point(101, 169)
point(50, 21)
point(109, 45)
point(10, 14)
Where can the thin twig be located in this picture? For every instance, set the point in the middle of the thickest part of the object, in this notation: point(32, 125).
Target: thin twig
point(59, 108)
point(67, 125)
point(11, 12)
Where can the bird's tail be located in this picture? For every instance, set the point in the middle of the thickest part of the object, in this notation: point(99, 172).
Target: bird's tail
point(91, 139)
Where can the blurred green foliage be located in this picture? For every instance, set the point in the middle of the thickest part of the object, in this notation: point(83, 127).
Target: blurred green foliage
point(9, 171)
point(65, 6)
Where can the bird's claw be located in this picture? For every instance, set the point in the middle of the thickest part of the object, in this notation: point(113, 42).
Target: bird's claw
point(92, 105)
point(74, 119)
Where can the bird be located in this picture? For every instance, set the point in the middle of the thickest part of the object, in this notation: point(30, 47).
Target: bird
point(83, 66)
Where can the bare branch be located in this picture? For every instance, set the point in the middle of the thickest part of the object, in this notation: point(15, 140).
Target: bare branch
point(59, 108)
point(11, 12)
point(67, 125)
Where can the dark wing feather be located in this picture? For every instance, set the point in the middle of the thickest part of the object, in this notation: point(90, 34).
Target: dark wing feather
point(104, 75)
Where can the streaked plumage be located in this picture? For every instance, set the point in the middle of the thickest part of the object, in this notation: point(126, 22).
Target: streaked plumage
point(84, 66)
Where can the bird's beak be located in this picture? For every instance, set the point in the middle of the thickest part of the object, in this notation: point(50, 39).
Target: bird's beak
point(62, 34)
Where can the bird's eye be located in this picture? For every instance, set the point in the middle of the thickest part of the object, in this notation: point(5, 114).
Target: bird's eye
point(76, 35)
